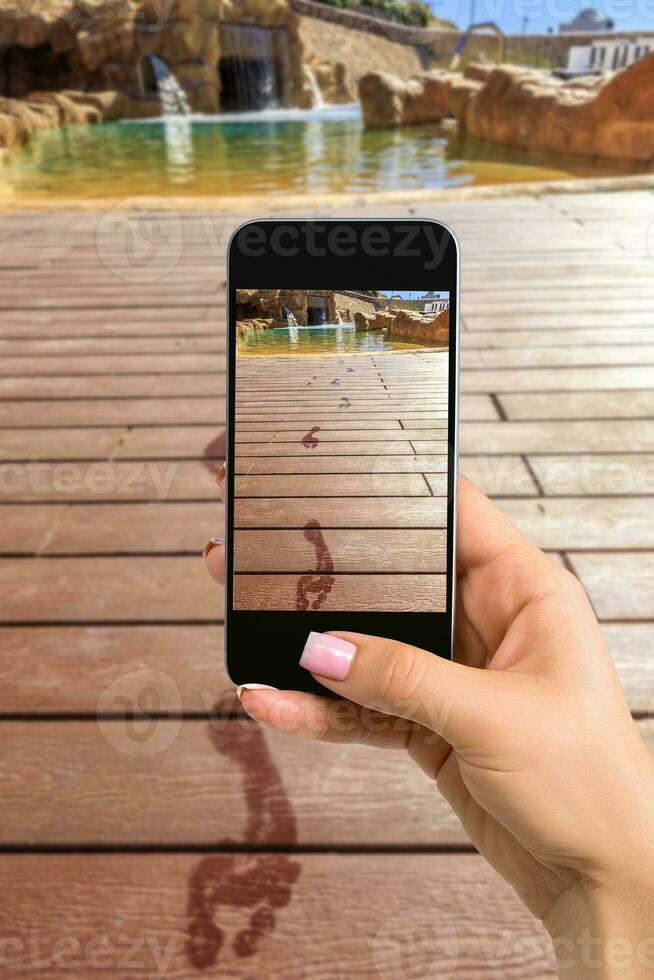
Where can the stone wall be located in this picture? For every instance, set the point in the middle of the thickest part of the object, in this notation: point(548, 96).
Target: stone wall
point(537, 50)
point(348, 304)
point(324, 39)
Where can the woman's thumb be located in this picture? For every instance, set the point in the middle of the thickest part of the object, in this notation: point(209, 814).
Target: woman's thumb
point(455, 701)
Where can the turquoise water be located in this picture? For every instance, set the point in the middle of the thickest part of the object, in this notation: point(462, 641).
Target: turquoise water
point(341, 339)
point(276, 152)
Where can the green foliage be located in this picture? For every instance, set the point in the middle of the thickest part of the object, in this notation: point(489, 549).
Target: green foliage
point(518, 56)
point(414, 12)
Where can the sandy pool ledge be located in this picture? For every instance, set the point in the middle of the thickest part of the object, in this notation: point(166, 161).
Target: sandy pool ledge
point(322, 203)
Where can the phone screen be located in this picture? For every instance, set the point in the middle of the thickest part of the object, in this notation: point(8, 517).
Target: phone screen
point(341, 448)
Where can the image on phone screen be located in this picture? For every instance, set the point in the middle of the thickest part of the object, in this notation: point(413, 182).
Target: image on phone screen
point(341, 449)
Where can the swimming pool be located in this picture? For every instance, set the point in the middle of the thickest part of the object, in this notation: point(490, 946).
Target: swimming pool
point(275, 152)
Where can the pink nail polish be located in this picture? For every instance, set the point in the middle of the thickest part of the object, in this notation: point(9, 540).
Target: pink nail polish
point(254, 687)
point(327, 656)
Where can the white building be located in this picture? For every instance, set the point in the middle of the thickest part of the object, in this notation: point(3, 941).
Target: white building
point(607, 55)
point(429, 303)
point(587, 21)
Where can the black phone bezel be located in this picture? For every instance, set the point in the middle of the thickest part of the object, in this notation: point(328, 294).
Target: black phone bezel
point(265, 646)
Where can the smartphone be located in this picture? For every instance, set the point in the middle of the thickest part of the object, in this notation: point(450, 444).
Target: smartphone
point(341, 438)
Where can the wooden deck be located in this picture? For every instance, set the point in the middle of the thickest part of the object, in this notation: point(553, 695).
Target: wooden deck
point(137, 805)
point(341, 482)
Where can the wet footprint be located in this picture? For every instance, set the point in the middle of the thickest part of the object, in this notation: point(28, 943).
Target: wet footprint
point(344, 402)
point(320, 583)
point(336, 381)
point(259, 884)
point(350, 370)
point(309, 441)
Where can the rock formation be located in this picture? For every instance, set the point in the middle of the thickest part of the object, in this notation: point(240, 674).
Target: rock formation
point(333, 81)
point(422, 327)
point(80, 48)
point(390, 101)
point(268, 305)
point(407, 325)
point(607, 116)
point(373, 321)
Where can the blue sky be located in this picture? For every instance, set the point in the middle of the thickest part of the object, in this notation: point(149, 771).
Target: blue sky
point(416, 294)
point(629, 15)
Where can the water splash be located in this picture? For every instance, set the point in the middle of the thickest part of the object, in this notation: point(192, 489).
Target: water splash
point(255, 67)
point(171, 94)
point(289, 316)
point(310, 75)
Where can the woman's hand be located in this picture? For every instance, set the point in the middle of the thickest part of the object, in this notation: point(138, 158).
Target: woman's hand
point(527, 735)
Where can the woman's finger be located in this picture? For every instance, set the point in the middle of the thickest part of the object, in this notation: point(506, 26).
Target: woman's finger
point(214, 555)
point(330, 720)
point(451, 699)
point(214, 552)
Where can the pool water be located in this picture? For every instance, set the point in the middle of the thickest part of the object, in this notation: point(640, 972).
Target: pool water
point(339, 338)
point(266, 153)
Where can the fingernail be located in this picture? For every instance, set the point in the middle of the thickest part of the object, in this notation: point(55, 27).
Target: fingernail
point(221, 474)
point(212, 544)
point(328, 656)
point(254, 687)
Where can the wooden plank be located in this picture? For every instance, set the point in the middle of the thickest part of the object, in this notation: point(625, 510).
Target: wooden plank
point(71, 590)
point(354, 437)
point(604, 475)
point(65, 669)
point(41, 444)
point(155, 480)
point(620, 586)
point(169, 323)
point(351, 551)
point(617, 314)
point(310, 463)
point(177, 528)
point(586, 523)
point(119, 411)
point(209, 383)
point(563, 378)
point(424, 512)
point(579, 405)
point(312, 911)
point(323, 448)
point(169, 442)
point(112, 363)
point(344, 485)
point(68, 346)
point(584, 356)
point(502, 476)
point(351, 593)
point(27, 529)
point(573, 335)
point(551, 437)
point(331, 423)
